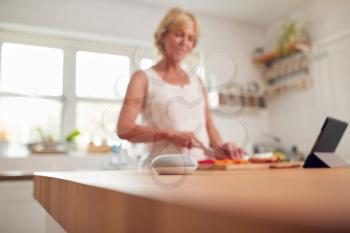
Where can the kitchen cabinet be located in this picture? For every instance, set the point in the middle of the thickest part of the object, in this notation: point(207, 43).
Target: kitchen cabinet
point(19, 212)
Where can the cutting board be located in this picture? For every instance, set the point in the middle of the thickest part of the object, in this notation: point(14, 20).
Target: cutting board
point(249, 166)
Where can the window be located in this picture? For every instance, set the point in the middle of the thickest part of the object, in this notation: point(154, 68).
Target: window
point(101, 75)
point(146, 63)
point(22, 116)
point(31, 87)
point(31, 70)
point(97, 121)
point(58, 85)
point(101, 83)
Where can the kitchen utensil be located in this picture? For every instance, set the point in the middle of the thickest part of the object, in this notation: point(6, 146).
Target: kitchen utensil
point(207, 151)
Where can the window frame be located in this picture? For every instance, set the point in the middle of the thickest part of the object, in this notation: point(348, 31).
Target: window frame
point(71, 44)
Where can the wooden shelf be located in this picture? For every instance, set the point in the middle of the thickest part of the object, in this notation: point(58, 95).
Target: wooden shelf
point(284, 72)
point(242, 101)
point(234, 109)
point(269, 57)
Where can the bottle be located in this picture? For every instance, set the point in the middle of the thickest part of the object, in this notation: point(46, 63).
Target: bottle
point(115, 160)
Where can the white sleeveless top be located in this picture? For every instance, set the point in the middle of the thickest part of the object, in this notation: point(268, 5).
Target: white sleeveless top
point(170, 106)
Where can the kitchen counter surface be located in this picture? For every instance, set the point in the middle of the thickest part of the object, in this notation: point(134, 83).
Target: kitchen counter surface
point(281, 200)
point(52, 162)
point(15, 175)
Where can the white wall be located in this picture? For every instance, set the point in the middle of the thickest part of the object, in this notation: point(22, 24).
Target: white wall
point(297, 116)
point(135, 24)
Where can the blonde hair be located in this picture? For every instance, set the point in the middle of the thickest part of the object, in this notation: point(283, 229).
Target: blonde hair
point(175, 19)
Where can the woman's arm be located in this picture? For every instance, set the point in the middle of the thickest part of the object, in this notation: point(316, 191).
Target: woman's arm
point(222, 149)
point(133, 103)
point(213, 133)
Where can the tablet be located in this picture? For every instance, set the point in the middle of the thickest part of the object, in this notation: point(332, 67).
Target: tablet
point(331, 133)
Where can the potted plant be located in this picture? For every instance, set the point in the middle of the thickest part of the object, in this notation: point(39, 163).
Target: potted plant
point(291, 35)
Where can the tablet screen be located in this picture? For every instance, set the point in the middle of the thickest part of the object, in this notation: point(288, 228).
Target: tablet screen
point(330, 135)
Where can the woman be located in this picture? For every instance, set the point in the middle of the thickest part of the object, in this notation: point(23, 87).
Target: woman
point(173, 104)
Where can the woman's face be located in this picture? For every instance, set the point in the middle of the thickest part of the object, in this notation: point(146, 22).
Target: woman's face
point(179, 43)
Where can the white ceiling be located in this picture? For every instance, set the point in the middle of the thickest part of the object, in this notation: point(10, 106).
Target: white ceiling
point(259, 12)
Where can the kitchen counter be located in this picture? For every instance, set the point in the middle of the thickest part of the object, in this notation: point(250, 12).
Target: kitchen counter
point(54, 162)
point(15, 175)
point(281, 200)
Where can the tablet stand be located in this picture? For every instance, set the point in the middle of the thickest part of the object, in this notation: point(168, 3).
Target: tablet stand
point(324, 160)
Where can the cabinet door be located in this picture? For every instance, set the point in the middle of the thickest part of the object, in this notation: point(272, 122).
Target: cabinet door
point(19, 211)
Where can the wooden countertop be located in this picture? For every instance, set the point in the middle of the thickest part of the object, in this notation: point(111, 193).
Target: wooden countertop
point(285, 200)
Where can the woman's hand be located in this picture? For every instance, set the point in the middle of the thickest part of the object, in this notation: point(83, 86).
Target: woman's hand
point(229, 150)
point(183, 139)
